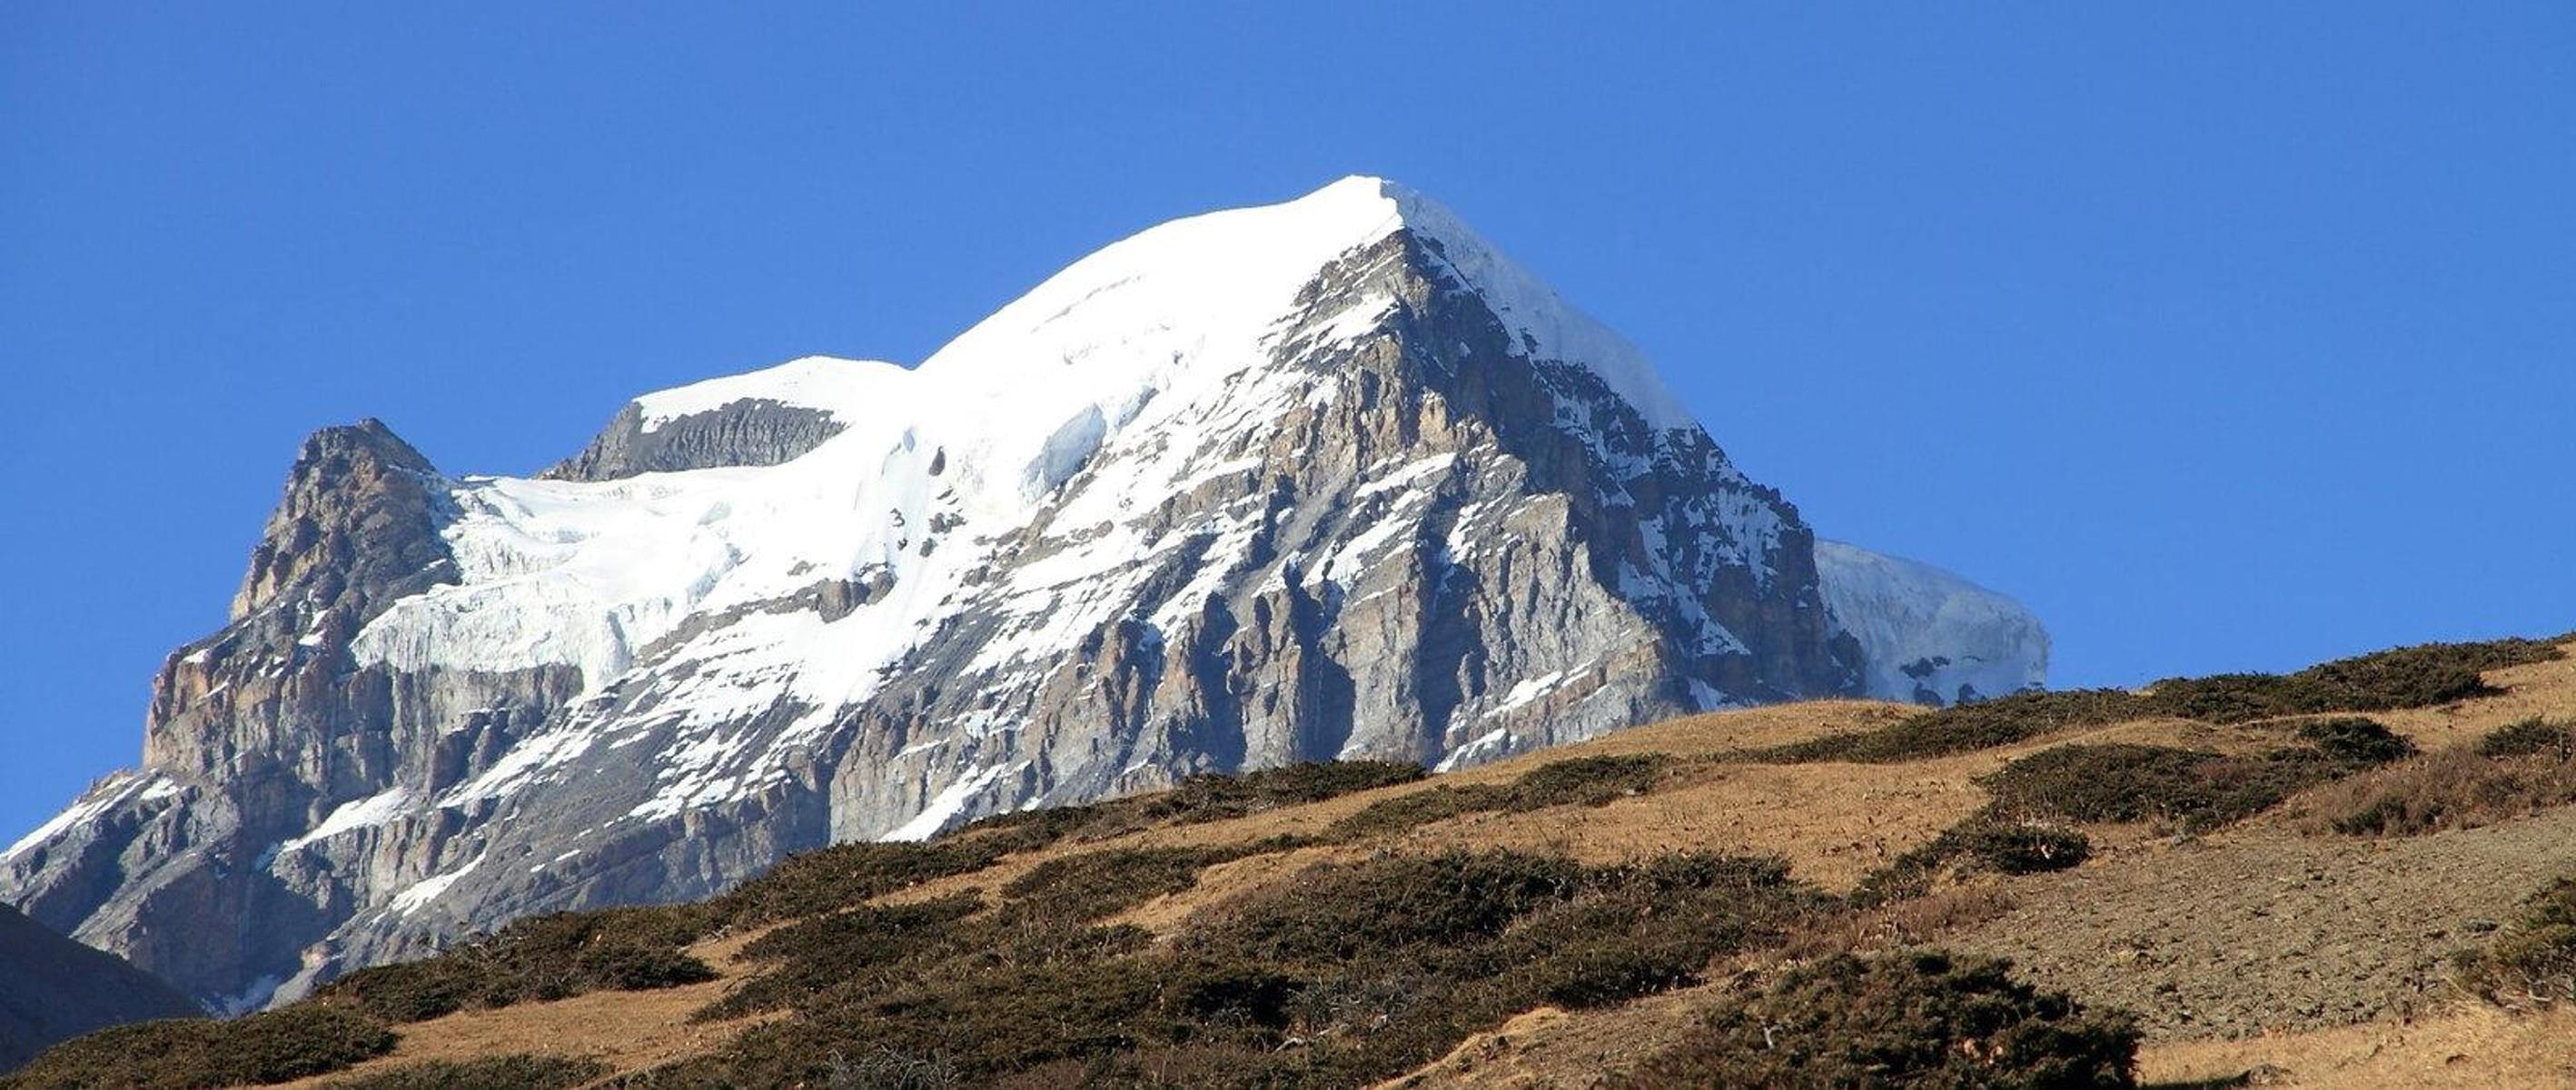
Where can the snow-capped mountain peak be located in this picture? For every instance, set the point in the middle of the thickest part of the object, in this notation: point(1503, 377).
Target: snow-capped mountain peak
point(1327, 478)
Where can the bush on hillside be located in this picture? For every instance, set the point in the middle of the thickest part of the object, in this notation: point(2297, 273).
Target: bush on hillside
point(2531, 737)
point(1350, 972)
point(2189, 790)
point(2533, 962)
point(2409, 677)
point(2459, 787)
point(1579, 781)
point(2353, 740)
point(515, 1072)
point(1985, 724)
point(1920, 1018)
point(198, 1053)
point(1984, 843)
point(1090, 885)
point(847, 874)
point(1196, 800)
point(535, 959)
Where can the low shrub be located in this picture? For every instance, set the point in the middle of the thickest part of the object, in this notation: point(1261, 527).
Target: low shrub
point(1197, 799)
point(1984, 842)
point(535, 959)
point(2531, 737)
point(1216, 798)
point(1093, 884)
point(197, 1053)
point(1336, 912)
point(2430, 674)
point(1438, 803)
point(1352, 972)
point(2353, 740)
point(1588, 781)
point(1580, 781)
point(1919, 1018)
point(847, 874)
point(2407, 677)
point(516, 1072)
point(1985, 724)
point(2190, 790)
point(2455, 788)
point(2533, 961)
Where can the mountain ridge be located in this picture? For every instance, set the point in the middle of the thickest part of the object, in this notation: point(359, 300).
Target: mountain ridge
point(1192, 504)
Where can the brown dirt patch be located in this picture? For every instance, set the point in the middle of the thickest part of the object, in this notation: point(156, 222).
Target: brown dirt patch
point(2258, 932)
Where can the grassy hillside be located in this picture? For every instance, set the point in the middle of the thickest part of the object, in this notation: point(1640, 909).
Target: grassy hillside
point(2355, 874)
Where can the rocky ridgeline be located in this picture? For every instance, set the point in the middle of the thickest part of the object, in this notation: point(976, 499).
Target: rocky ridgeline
point(1415, 509)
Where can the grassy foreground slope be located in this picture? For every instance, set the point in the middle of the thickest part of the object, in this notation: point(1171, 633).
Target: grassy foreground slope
point(2346, 876)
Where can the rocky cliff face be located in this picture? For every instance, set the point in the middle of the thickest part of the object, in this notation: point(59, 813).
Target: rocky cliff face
point(1325, 479)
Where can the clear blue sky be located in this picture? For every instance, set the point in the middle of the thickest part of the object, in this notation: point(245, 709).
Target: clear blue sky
point(2227, 336)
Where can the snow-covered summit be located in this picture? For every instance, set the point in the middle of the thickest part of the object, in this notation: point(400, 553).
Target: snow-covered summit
point(1023, 396)
point(844, 389)
point(1331, 478)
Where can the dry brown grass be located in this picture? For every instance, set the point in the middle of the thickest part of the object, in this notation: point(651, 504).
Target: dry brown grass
point(2453, 788)
point(1916, 922)
point(1832, 822)
point(2545, 689)
point(2469, 1045)
point(628, 1031)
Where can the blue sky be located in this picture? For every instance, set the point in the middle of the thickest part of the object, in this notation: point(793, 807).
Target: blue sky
point(2226, 336)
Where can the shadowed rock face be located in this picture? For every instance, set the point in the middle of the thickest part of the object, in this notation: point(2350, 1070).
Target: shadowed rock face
point(1404, 531)
point(53, 989)
point(750, 432)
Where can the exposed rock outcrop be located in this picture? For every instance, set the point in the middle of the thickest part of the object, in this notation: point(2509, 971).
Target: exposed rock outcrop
point(1327, 479)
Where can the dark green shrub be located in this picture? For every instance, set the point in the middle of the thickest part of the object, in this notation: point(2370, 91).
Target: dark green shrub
point(193, 1053)
point(1647, 928)
point(1336, 912)
point(2528, 738)
point(1423, 807)
point(2428, 674)
point(2532, 962)
point(2024, 849)
point(1216, 798)
point(535, 959)
point(1985, 724)
point(1090, 885)
point(1358, 971)
point(1579, 781)
point(2409, 677)
point(847, 874)
point(1921, 1018)
point(2356, 741)
point(1587, 781)
point(802, 959)
point(1983, 842)
point(1198, 799)
point(519, 1072)
point(2190, 789)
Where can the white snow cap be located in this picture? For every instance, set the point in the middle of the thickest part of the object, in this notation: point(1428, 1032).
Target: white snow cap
point(961, 449)
point(1187, 301)
point(844, 389)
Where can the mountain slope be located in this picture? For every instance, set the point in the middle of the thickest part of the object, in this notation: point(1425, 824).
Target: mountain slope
point(1577, 916)
point(53, 989)
point(1331, 478)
